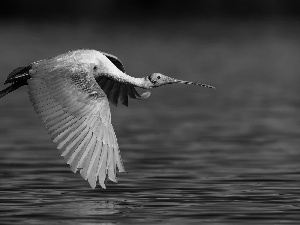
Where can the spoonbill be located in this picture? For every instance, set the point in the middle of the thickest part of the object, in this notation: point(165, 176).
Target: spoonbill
point(71, 94)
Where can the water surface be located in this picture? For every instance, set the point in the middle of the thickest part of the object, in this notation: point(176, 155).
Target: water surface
point(192, 155)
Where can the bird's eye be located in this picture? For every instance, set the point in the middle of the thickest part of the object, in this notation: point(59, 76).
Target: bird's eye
point(158, 77)
point(95, 68)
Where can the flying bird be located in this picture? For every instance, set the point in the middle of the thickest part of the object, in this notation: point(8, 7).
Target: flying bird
point(71, 93)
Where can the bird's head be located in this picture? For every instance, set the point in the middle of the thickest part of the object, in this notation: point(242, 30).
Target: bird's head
point(157, 80)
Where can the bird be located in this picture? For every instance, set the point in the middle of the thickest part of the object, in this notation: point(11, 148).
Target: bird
point(71, 93)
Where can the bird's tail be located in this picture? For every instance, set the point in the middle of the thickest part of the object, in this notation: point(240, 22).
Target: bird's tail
point(18, 77)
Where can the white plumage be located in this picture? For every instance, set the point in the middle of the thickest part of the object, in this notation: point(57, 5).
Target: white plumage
point(71, 94)
point(77, 119)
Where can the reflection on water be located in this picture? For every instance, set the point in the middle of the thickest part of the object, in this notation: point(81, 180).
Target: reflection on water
point(192, 155)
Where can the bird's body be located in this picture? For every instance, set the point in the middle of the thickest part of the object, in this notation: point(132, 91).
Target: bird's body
point(71, 94)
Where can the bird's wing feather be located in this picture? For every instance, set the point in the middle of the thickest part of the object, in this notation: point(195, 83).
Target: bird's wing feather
point(19, 74)
point(76, 114)
point(115, 90)
point(114, 59)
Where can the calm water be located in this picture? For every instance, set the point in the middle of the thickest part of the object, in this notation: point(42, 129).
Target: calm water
point(193, 155)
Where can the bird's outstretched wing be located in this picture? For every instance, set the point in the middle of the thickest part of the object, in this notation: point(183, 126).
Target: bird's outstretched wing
point(115, 90)
point(76, 114)
point(18, 77)
point(115, 60)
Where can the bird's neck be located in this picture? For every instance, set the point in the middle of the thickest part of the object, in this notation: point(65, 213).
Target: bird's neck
point(140, 82)
point(143, 82)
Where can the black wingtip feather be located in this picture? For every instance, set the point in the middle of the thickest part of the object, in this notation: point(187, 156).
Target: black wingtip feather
point(131, 92)
point(12, 88)
point(123, 95)
point(19, 74)
point(107, 87)
point(114, 93)
point(135, 92)
point(101, 81)
point(114, 59)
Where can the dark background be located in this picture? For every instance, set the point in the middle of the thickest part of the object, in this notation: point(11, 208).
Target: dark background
point(147, 10)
